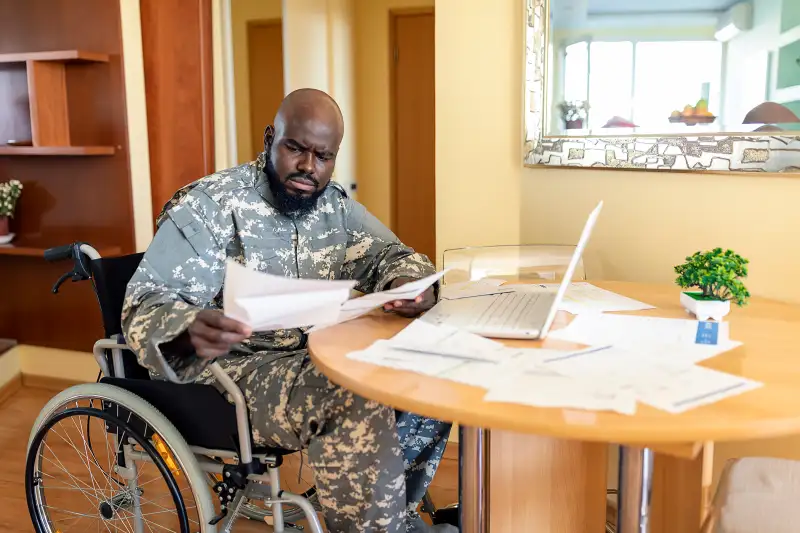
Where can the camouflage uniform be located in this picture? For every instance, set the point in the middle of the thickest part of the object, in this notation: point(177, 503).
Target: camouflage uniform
point(372, 465)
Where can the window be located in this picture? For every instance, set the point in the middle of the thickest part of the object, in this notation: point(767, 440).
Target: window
point(642, 81)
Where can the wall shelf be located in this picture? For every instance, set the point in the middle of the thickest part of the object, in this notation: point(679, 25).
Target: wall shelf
point(62, 56)
point(56, 150)
point(37, 104)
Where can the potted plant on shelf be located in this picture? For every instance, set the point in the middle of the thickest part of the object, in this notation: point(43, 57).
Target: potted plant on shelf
point(717, 274)
point(10, 192)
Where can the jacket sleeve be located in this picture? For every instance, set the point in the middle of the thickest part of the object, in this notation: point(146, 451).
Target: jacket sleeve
point(375, 256)
point(181, 272)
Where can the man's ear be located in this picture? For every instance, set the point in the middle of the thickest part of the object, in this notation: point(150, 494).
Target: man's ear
point(269, 136)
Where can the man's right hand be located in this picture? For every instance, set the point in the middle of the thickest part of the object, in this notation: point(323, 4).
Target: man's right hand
point(212, 334)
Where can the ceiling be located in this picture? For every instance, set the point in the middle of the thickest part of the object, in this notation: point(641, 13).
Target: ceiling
point(650, 6)
point(586, 13)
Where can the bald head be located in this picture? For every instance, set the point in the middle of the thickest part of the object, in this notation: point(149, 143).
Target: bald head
point(302, 147)
point(310, 105)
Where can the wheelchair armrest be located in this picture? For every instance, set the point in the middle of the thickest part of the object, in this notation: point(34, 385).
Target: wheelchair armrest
point(242, 416)
point(99, 355)
point(230, 386)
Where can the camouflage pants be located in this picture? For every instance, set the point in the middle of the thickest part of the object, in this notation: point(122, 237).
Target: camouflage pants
point(372, 465)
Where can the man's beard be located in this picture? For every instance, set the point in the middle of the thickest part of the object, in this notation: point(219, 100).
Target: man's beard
point(287, 203)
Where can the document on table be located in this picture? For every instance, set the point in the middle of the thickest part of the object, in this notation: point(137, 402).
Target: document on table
point(266, 302)
point(665, 384)
point(547, 390)
point(582, 297)
point(424, 337)
point(670, 338)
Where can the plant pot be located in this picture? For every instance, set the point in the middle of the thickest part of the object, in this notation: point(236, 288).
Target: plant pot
point(4, 226)
point(576, 124)
point(704, 309)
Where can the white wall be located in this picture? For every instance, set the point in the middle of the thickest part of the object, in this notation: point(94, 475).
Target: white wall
point(745, 73)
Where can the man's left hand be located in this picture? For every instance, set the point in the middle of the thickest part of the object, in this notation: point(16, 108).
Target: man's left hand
point(411, 308)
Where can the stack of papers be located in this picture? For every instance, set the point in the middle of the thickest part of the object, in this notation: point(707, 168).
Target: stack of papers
point(613, 376)
point(266, 303)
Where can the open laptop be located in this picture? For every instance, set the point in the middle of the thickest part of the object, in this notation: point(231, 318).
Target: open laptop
point(513, 315)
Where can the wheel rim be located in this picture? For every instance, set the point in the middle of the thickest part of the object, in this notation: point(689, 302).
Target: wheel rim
point(109, 495)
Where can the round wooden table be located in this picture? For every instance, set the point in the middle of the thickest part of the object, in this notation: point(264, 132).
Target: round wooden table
point(769, 354)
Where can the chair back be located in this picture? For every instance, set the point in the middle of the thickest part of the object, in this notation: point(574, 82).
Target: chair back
point(756, 495)
point(540, 263)
point(111, 276)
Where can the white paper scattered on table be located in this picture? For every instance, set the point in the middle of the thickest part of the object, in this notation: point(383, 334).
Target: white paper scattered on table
point(690, 387)
point(429, 338)
point(599, 378)
point(266, 302)
point(667, 338)
point(547, 390)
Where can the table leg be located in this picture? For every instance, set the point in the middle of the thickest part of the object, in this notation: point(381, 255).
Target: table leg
point(473, 479)
point(635, 487)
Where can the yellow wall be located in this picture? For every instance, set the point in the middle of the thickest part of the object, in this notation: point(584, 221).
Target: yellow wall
point(243, 11)
point(650, 220)
point(372, 101)
point(479, 65)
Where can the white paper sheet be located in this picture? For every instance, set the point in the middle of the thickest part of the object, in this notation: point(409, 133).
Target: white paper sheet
point(690, 387)
point(266, 302)
point(668, 384)
point(547, 390)
point(582, 297)
point(356, 307)
point(381, 353)
point(658, 337)
point(421, 336)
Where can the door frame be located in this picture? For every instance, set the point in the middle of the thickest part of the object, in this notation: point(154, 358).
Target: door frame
point(394, 14)
point(255, 23)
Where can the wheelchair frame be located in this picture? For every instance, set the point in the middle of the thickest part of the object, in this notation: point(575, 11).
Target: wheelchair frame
point(258, 468)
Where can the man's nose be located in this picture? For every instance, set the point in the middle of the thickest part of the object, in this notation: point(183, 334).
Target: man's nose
point(306, 164)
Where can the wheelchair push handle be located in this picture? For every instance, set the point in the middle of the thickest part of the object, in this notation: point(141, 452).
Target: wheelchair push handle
point(59, 253)
point(80, 253)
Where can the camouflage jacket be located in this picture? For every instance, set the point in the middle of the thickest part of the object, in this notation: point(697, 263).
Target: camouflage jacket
point(230, 214)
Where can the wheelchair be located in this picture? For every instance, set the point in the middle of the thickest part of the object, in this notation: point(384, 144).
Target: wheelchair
point(159, 456)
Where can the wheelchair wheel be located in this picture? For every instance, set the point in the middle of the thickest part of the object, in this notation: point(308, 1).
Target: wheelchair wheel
point(101, 458)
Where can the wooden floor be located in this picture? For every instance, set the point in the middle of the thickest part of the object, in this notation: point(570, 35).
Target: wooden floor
point(17, 415)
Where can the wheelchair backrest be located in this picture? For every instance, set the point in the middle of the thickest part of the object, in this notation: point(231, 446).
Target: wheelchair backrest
point(111, 276)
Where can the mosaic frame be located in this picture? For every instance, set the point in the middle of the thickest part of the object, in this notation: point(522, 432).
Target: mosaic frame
point(725, 152)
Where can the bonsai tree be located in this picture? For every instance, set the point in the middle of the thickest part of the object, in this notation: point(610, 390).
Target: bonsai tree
point(716, 273)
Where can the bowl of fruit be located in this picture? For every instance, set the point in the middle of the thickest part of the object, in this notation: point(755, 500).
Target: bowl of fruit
point(691, 115)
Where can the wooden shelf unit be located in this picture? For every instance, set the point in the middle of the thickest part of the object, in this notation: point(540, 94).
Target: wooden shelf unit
point(39, 79)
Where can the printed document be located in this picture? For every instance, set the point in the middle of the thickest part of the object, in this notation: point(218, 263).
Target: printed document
point(266, 302)
point(670, 338)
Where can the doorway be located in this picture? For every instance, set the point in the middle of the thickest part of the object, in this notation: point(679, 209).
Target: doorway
point(265, 65)
point(413, 129)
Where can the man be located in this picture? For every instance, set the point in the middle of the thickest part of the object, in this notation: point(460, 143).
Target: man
point(282, 215)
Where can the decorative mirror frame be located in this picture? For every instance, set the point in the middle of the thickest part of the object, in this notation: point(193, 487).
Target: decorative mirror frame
point(726, 152)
